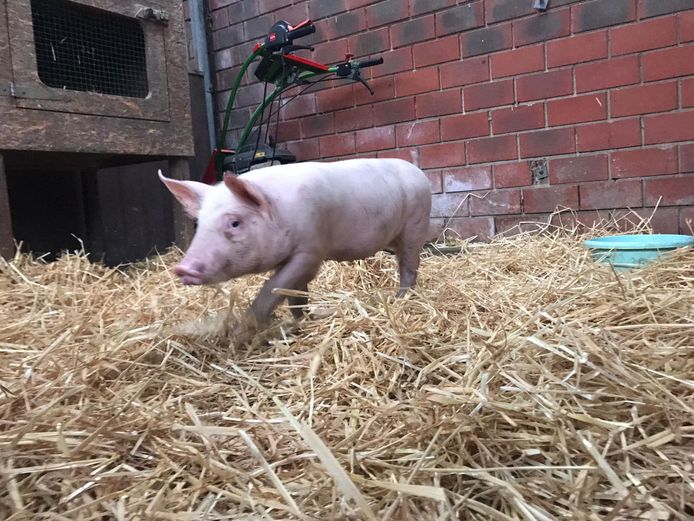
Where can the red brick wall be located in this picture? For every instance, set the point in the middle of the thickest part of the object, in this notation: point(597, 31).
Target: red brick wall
point(474, 91)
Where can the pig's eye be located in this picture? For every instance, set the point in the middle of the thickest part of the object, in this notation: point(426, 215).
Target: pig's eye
point(232, 223)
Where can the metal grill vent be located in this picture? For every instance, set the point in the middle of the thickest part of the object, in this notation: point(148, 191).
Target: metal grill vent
point(86, 49)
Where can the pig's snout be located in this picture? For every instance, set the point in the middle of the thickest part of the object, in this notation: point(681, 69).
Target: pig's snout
point(191, 273)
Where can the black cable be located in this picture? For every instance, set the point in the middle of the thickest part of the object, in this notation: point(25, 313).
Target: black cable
point(260, 129)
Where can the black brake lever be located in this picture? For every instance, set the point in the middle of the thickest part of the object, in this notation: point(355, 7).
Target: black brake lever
point(357, 76)
point(291, 48)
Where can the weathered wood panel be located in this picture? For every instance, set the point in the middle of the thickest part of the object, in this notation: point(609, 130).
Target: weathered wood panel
point(6, 235)
point(37, 130)
point(136, 212)
point(154, 107)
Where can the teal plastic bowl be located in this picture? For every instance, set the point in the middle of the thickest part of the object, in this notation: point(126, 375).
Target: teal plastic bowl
point(625, 252)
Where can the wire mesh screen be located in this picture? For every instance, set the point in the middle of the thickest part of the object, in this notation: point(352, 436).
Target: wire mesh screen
point(86, 49)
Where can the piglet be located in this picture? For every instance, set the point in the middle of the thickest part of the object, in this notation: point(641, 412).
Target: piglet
point(291, 218)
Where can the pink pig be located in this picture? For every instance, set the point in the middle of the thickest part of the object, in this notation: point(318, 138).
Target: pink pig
point(290, 218)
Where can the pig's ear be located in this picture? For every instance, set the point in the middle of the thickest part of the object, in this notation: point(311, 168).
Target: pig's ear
point(248, 193)
point(188, 193)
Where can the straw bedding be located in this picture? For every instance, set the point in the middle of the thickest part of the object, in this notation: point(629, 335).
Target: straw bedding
point(520, 381)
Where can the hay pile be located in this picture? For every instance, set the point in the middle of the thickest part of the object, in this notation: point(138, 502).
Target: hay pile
point(520, 382)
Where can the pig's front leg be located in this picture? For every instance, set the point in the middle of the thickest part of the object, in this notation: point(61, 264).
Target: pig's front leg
point(295, 274)
point(298, 304)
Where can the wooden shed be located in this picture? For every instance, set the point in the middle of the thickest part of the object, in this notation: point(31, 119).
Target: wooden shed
point(88, 85)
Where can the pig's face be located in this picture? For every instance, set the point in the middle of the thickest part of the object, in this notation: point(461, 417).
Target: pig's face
point(233, 218)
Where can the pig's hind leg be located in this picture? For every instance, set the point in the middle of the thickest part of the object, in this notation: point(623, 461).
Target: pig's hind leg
point(408, 249)
point(408, 263)
point(298, 304)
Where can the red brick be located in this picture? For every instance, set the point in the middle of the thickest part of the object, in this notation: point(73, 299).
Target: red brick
point(461, 18)
point(442, 155)
point(516, 224)
point(643, 162)
point(344, 24)
point(643, 36)
point(497, 202)
point(667, 128)
point(686, 220)
point(466, 72)
point(418, 133)
point(395, 111)
point(669, 191)
point(377, 138)
point(370, 42)
point(578, 169)
point(664, 220)
point(686, 26)
point(353, 4)
point(413, 31)
point(467, 179)
point(331, 52)
point(668, 63)
point(219, 19)
point(448, 205)
point(415, 82)
point(437, 51)
point(425, 6)
point(607, 74)
point(305, 150)
point(658, 97)
point(354, 119)
point(338, 98)
point(317, 125)
point(439, 103)
point(624, 193)
point(470, 228)
point(435, 181)
point(486, 40)
point(577, 49)
point(488, 95)
point(464, 126)
point(508, 175)
point(648, 8)
point(500, 10)
point(578, 109)
point(386, 12)
point(288, 131)
point(498, 148)
point(547, 143)
point(549, 198)
point(545, 85)
point(337, 145)
point(321, 8)
point(548, 26)
point(394, 61)
point(518, 61)
point(411, 155)
point(522, 117)
point(384, 88)
point(688, 93)
point(598, 13)
point(605, 136)
point(687, 158)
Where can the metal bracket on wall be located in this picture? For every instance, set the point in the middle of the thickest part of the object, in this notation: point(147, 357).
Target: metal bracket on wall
point(540, 171)
point(540, 5)
point(160, 16)
point(37, 91)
